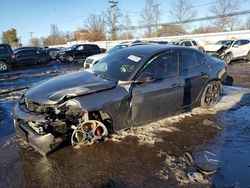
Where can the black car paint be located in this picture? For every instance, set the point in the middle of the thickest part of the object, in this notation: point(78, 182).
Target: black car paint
point(30, 56)
point(128, 102)
point(7, 55)
point(88, 50)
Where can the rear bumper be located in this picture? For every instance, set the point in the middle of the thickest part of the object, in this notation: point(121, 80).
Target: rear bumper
point(44, 144)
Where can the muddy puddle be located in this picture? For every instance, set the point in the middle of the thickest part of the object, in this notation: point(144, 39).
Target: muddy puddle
point(154, 155)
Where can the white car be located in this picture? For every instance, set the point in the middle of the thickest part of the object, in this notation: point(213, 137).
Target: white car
point(91, 60)
point(230, 50)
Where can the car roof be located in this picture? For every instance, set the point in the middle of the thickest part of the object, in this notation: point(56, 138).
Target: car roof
point(149, 50)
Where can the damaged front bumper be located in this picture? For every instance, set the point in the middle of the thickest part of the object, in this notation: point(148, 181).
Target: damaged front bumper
point(43, 143)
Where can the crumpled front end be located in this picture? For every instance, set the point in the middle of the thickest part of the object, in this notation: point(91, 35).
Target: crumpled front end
point(45, 127)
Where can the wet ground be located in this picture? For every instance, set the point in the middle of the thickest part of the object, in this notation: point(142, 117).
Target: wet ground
point(154, 155)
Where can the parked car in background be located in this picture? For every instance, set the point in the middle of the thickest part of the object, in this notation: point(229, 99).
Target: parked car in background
point(78, 52)
point(52, 52)
point(187, 43)
point(133, 86)
point(229, 50)
point(92, 60)
point(27, 48)
point(30, 56)
point(7, 56)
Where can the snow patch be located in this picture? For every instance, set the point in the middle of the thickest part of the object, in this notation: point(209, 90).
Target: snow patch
point(147, 134)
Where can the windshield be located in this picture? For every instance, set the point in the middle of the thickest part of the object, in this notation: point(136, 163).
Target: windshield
point(225, 42)
point(70, 48)
point(117, 47)
point(118, 66)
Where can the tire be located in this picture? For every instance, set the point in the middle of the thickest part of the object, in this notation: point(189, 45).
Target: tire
point(70, 59)
point(211, 94)
point(3, 66)
point(248, 56)
point(228, 58)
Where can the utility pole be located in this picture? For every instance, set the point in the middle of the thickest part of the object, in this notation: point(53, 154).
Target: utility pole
point(156, 12)
point(31, 33)
point(113, 5)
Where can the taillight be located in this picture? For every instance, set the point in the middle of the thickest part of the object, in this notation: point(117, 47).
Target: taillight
point(13, 56)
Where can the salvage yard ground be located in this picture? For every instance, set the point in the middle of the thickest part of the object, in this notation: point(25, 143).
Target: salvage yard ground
point(201, 148)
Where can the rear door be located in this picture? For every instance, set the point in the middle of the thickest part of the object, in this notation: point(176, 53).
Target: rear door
point(244, 47)
point(26, 57)
point(235, 49)
point(196, 74)
point(161, 97)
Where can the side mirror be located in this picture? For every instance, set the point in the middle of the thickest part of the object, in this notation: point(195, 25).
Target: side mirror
point(236, 46)
point(145, 78)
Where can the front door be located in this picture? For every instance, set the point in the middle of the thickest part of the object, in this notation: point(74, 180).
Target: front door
point(160, 97)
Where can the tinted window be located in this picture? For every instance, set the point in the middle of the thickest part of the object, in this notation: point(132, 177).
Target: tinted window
point(187, 43)
point(187, 59)
point(3, 49)
point(164, 66)
point(194, 43)
point(244, 42)
point(200, 58)
point(27, 52)
point(95, 47)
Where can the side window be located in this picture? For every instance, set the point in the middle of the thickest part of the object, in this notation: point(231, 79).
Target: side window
point(201, 59)
point(88, 47)
point(194, 43)
point(164, 66)
point(187, 59)
point(238, 43)
point(187, 43)
point(80, 48)
point(244, 42)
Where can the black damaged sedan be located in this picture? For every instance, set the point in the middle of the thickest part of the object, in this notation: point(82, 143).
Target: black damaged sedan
point(134, 86)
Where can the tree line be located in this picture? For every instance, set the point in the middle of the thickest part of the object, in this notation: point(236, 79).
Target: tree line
point(113, 25)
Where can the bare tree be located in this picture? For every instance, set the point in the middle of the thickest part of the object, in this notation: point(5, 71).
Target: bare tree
point(223, 7)
point(248, 23)
point(126, 24)
point(205, 29)
point(35, 41)
point(170, 30)
point(96, 27)
point(150, 17)
point(182, 11)
point(113, 16)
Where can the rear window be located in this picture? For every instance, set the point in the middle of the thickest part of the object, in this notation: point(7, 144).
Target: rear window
point(188, 59)
point(194, 43)
point(4, 49)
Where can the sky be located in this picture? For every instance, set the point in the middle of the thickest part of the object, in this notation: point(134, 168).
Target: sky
point(37, 15)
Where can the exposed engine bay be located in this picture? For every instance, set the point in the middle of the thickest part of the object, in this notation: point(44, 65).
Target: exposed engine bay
point(68, 121)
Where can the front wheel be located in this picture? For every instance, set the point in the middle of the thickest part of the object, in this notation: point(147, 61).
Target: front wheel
point(211, 94)
point(228, 58)
point(3, 66)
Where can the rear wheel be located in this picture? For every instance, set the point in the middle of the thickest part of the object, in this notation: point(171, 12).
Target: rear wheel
point(3, 66)
point(70, 59)
point(211, 94)
point(248, 56)
point(228, 58)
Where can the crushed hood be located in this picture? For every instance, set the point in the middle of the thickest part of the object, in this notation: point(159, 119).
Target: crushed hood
point(213, 47)
point(68, 85)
